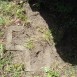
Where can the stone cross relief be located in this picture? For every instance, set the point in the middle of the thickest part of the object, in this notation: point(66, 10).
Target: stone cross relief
point(11, 47)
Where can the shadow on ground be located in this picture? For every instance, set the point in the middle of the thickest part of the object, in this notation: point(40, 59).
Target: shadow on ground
point(61, 18)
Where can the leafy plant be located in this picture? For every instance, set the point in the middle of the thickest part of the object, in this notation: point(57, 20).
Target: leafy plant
point(15, 69)
point(7, 68)
point(51, 73)
point(20, 14)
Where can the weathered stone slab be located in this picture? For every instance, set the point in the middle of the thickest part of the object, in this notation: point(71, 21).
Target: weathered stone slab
point(40, 57)
point(43, 59)
point(9, 45)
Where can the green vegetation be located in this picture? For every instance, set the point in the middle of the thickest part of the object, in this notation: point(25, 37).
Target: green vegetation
point(1, 50)
point(1, 33)
point(51, 73)
point(47, 36)
point(10, 11)
point(7, 67)
point(2, 21)
point(30, 44)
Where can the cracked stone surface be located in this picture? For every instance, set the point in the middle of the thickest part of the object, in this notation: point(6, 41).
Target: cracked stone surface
point(35, 59)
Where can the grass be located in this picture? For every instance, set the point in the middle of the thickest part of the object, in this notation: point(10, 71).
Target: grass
point(10, 11)
point(16, 70)
point(30, 44)
point(51, 73)
point(46, 34)
point(7, 67)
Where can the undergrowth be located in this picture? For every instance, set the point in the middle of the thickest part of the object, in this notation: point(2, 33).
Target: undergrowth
point(29, 44)
point(7, 67)
point(46, 34)
point(10, 12)
point(51, 73)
